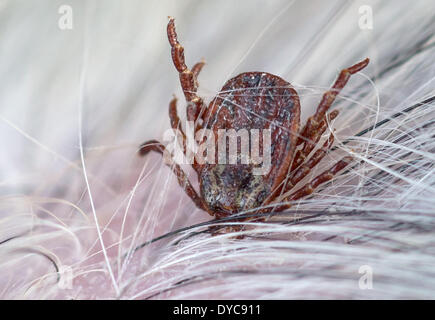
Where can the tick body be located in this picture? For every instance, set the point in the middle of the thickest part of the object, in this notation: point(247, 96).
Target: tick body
point(254, 100)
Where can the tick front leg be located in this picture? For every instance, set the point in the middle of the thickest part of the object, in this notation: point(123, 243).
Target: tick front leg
point(188, 78)
point(328, 98)
point(183, 181)
point(197, 69)
point(199, 111)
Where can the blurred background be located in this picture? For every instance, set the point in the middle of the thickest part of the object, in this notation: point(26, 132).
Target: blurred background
point(85, 82)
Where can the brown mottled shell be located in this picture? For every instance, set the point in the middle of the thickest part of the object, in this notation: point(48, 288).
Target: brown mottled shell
point(252, 100)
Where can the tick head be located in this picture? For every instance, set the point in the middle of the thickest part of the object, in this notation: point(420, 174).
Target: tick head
point(230, 189)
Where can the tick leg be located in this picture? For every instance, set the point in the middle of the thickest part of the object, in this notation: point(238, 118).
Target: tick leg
point(176, 125)
point(200, 111)
point(313, 184)
point(310, 144)
point(328, 98)
point(187, 77)
point(303, 170)
point(197, 69)
point(183, 181)
point(175, 121)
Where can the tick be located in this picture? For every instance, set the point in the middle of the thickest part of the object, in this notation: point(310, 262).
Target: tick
point(254, 100)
